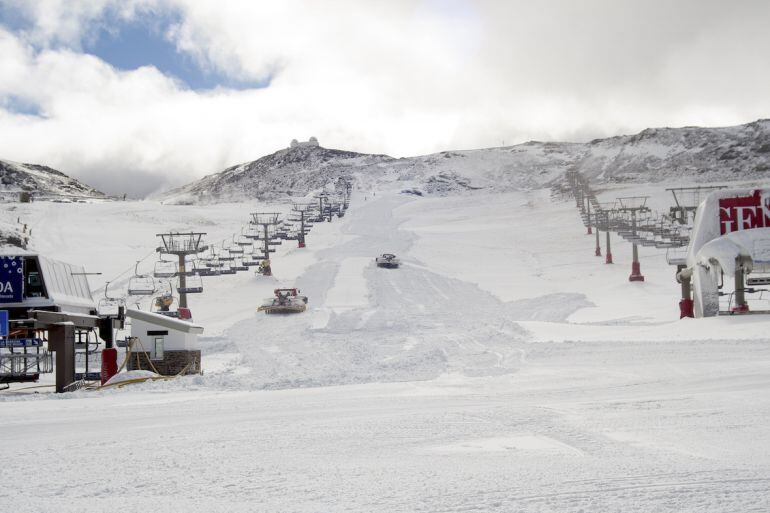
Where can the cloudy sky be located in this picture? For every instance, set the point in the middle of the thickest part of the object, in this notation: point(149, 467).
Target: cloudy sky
point(133, 96)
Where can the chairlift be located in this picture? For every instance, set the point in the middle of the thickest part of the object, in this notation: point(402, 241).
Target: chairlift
point(208, 271)
point(109, 305)
point(239, 266)
point(200, 265)
point(243, 240)
point(227, 268)
point(190, 269)
point(252, 232)
point(193, 285)
point(141, 284)
point(165, 269)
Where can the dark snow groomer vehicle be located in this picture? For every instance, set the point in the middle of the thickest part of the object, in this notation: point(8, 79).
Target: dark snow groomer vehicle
point(285, 301)
point(388, 260)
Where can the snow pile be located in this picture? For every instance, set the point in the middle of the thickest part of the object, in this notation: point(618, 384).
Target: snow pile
point(125, 376)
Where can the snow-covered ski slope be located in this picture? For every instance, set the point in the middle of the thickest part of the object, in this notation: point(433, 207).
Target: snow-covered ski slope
point(503, 367)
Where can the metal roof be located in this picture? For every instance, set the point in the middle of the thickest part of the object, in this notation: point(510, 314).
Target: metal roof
point(164, 321)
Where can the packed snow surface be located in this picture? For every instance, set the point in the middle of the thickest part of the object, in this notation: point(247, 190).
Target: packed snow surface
point(502, 367)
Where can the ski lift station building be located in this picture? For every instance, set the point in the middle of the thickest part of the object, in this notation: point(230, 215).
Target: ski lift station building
point(168, 344)
point(40, 294)
point(33, 282)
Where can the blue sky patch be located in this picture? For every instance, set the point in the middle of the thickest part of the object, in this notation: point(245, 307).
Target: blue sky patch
point(128, 45)
point(140, 41)
point(17, 105)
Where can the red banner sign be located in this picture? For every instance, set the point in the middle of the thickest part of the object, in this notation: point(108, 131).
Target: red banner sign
point(744, 213)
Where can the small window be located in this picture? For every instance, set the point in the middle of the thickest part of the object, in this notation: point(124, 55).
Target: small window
point(159, 348)
point(34, 287)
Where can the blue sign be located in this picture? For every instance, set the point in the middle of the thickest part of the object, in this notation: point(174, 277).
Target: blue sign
point(3, 323)
point(11, 279)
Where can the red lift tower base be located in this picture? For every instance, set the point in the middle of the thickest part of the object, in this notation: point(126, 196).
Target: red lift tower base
point(109, 363)
point(740, 309)
point(686, 308)
point(636, 273)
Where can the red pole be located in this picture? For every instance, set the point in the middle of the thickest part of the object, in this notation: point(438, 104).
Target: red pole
point(109, 363)
point(686, 308)
point(598, 251)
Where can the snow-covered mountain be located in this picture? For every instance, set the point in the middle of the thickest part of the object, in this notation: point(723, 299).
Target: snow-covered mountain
point(292, 171)
point(655, 154)
point(41, 181)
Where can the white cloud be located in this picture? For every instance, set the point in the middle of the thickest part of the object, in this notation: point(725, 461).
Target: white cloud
point(399, 77)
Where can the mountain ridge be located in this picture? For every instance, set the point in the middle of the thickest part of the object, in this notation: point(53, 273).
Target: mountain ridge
point(697, 154)
point(17, 177)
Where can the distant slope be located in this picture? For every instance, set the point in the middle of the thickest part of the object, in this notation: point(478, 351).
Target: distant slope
point(41, 181)
point(292, 171)
point(655, 154)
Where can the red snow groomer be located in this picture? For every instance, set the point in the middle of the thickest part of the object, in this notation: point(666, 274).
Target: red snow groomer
point(285, 301)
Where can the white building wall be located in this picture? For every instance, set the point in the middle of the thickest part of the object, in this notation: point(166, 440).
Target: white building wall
point(175, 340)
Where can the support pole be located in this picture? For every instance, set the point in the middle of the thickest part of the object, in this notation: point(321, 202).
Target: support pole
point(61, 340)
point(636, 272)
point(182, 282)
point(608, 256)
point(588, 210)
point(267, 271)
point(301, 238)
point(741, 306)
point(598, 251)
point(686, 305)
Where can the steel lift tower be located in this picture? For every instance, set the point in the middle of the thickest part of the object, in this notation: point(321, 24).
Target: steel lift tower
point(181, 245)
point(323, 198)
point(634, 205)
point(300, 210)
point(266, 220)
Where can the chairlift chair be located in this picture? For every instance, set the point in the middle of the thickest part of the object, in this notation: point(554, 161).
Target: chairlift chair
point(238, 265)
point(109, 305)
point(243, 241)
point(200, 265)
point(252, 232)
point(165, 269)
point(140, 284)
point(190, 268)
point(193, 285)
